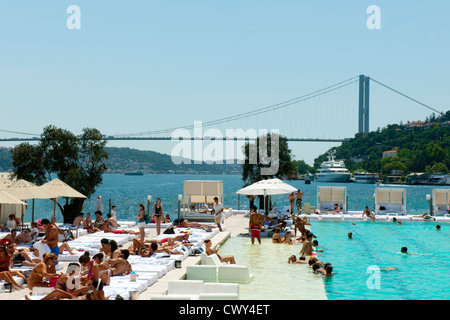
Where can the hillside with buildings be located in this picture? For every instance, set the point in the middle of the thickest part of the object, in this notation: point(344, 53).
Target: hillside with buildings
point(399, 149)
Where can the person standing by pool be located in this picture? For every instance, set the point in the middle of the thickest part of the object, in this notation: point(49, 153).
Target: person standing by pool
point(298, 202)
point(157, 214)
point(113, 212)
point(255, 223)
point(218, 209)
point(99, 204)
point(291, 201)
point(141, 221)
point(251, 198)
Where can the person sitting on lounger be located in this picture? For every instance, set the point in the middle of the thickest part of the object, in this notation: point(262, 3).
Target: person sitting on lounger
point(92, 271)
point(41, 271)
point(113, 222)
point(120, 265)
point(78, 220)
point(72, 289)
point(103, 268)
point(209, 251)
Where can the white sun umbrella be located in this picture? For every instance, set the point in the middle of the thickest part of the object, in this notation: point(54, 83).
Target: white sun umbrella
point(6, 198)
point(62, 189)
point(267, 187)
point(24, 190)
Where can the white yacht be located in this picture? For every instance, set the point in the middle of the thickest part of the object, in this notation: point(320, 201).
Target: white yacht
point(333, 171)
point(366, 177)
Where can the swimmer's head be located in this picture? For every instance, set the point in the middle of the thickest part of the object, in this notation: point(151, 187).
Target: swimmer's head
point(438, 227)
point(404, 250)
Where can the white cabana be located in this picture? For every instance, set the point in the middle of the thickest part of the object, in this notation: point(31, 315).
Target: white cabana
point(328, 196)
point(390, 200)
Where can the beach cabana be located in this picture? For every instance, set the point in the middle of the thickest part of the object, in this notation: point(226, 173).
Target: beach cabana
point(198, 193)
point(440, 202)
point(328, 196)
point(390, 200)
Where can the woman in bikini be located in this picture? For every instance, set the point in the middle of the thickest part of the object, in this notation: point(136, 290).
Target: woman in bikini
point(210, 251)
point(40, 271)
point(157, 214)
point(92, 269)
point(103, 268)
point(291, 198)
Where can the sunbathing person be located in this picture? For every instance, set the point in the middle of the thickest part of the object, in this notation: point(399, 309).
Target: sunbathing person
point(113, 222)
point(139, 248)
point(103, 268)
point(108, 228)
point(120, 265)
point(20, 257)
point(11, 237)
point(71, 289)
point(210, 251)
point(187, 224)
point(40, 271)
point(425, 216)
point(183, 238)
point(5, 273)
point(92, 271)
point(24, 236)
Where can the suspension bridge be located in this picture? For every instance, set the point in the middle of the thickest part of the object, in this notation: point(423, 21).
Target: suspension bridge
point(325, 106)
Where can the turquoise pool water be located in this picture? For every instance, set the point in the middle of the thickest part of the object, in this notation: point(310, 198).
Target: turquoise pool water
point(419, 277)
point(376, 245)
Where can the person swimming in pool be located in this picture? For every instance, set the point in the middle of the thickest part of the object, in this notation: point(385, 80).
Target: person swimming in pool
point(293, 259)
point(405, 251)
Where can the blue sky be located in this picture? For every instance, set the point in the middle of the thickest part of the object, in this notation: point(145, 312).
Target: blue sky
point(138, 66)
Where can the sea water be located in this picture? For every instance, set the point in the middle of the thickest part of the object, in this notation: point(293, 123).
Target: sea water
point(126, 192)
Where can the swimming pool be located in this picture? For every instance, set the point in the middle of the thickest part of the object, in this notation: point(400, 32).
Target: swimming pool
point(358, 263)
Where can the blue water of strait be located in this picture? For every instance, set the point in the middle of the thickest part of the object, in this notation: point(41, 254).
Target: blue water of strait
point(126, 192)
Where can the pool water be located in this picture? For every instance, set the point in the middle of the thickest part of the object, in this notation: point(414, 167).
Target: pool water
point(358, 263)
point(275, 279)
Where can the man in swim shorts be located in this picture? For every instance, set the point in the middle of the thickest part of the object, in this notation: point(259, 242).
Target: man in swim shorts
point(255, 223)
point(51, 236)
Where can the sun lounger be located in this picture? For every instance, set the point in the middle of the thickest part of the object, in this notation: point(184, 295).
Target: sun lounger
point(234, 273)
point(206, 273)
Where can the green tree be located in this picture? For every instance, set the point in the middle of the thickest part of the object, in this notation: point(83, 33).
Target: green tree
point(255, 162)
point(78, 161)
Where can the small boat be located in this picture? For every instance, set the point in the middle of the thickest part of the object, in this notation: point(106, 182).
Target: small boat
point(134, 173)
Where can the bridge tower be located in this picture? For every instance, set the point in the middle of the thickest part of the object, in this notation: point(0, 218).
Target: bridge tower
point(364, 98)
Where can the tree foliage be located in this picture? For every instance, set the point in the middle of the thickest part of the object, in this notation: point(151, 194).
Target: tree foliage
point(418, 150)
point(251, 171)
point(79, 161)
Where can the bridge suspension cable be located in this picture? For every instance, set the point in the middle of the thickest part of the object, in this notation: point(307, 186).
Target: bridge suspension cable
point(255, 112)
point(408, 97)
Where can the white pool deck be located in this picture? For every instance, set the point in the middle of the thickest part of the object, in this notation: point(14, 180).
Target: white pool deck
point(235, 224)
